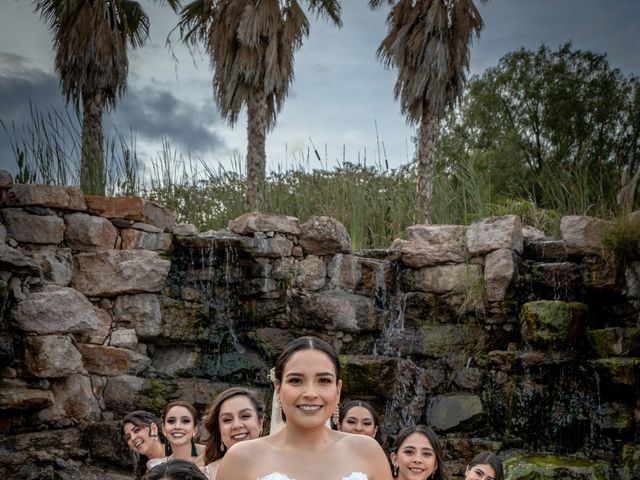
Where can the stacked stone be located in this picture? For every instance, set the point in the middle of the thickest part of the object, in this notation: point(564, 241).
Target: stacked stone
point(68, 265)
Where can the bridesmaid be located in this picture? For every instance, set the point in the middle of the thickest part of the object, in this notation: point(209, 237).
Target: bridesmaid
point(144, 437)
point(236, 415)
point(180, 427)
point(417, 455)
point(359, 417)
point(484, 466)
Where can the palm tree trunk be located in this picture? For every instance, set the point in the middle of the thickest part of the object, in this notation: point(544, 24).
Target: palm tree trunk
point(92, 176)
point(256, 155)
point(426, 166)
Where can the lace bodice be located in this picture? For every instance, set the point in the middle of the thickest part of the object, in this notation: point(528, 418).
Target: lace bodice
point(281, 476)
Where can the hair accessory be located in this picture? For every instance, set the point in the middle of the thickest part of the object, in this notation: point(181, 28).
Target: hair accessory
point(272, 375)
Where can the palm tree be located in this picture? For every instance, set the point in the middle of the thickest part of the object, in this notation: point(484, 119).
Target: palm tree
point(90, 39)
point(428, 42)
point(251, 45)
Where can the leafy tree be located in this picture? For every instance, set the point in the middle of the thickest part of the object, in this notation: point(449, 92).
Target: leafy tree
point(428, 42)
point(90, 39)
point(559, 128)
point(251, 44)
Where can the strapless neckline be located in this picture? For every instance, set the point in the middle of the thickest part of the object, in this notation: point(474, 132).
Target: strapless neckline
point(282, 476)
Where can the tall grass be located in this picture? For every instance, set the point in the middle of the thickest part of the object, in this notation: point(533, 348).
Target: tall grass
point(374, 203)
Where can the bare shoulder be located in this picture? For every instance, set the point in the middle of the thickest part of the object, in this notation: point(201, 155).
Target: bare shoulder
point(369, 449)
point(237, 462)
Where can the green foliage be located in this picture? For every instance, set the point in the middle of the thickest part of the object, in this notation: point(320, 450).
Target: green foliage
point(621, 240)
point(559, 128)
point(543, 219)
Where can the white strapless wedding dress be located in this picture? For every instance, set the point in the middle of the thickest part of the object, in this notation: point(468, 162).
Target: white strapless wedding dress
point(281, 476)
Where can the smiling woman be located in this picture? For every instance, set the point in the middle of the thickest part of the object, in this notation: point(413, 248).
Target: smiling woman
point(484, 466)
point(307, 389)
point(417, 455)
point(144, 437)
point(236, 415)
point(180, 427)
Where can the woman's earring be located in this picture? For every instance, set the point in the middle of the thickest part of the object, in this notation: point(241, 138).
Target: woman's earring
point(278, 410)
point(394, 470)
point(336, 415)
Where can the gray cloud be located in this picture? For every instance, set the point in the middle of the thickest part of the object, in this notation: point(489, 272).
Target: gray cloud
point(155, 114)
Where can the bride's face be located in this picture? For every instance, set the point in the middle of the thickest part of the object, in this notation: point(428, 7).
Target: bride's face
point(309, 390)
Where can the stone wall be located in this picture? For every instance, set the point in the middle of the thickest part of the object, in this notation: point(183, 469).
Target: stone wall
point(495, 335)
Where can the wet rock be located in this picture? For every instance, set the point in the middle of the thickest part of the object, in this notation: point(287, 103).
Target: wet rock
point(492, 233)
point(552, 324)
point(551, 467)
point(324, 236)
point(561, 279)
point(131, 208)
point(500, 270)
point(55, 263)
point(112, 361)
point(74, 400)
point(545, 250)
point(443, 278)
point(631, 461)
point(365, 276)
point(469, 378)
point(335, 311)
point(617, 370)
point(271, 341)
point(52, 356)
point(114, 272)
point(460, 411)
point(62, 197)
point(89, 233)
point(29, 228)
point(276, 247)
point(598, 274)
point(367, 375)
point(182, 320)
point(261, 222)
point(175, 361)
point(582, 235)
point(614, 416)
point(615, 341)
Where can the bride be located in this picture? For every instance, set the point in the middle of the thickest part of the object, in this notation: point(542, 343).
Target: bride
point(307, 389)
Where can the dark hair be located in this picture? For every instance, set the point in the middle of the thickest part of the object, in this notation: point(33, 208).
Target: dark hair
point(489, 459)
point(175, 470)
point(215, 449)
point(303, 343)
point(349, 404)
point(192, 411)
point(440, 473)
point(142, 418)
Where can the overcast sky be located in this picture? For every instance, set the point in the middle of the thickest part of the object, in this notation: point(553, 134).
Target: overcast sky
point(339, 94)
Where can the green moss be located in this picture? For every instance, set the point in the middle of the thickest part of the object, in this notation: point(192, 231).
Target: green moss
point(552, 467)
point(551, 323)
point(182, 320)
point(619, 370)
point(154, 394)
